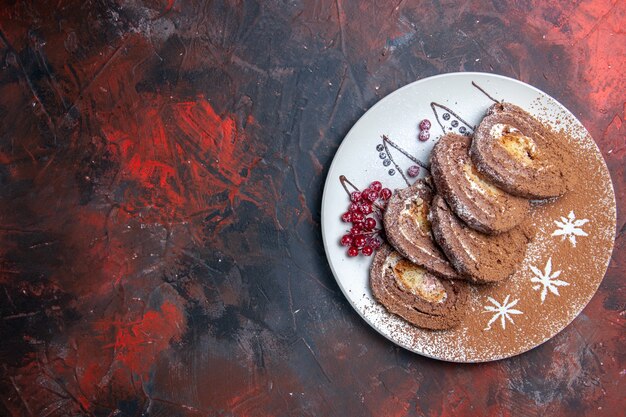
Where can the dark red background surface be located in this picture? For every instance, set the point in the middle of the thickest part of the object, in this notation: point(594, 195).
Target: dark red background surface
point(161, 168)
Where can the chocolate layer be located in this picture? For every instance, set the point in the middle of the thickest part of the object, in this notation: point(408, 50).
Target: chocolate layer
point(408, 229)
point(480, 257)
point(521, 155)
point(411, 292)
point(476, 200)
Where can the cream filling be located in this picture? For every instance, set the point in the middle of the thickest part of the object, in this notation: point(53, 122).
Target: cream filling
point(467, 249)
point(478, 183)
point(416, 212)
point(514, 142)
point(416, 280)
point(466, 246)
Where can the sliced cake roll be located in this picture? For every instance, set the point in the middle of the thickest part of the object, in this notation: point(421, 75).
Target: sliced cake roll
point(408, 229)
point(472, 197)
point(480, 257)
point(521, 155)
point(416, 295)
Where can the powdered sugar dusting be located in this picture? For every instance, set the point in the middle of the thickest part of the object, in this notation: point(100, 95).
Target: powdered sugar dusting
point(502, 310)
point(570, 227)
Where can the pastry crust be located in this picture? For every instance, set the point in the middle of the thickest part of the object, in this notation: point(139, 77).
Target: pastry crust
point(408, 229)
point(440, 312)
point(521, 155)
point(479, 257)
point(474, 199)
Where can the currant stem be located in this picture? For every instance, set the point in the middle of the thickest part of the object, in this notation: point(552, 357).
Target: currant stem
point(343, 180)
point(371, 232)
point(380, 208)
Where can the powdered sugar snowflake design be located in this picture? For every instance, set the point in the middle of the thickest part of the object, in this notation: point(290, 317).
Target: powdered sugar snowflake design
point(570, 228)
point(546, 280)
point(503, 311)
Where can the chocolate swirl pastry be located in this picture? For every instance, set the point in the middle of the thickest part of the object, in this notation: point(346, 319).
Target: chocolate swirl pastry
point(408, 229)
point(521, 155)
point(480, 257)
point(411, 292)
point(476, 200)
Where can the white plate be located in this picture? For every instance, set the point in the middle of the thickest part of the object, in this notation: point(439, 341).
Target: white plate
point(397, 116)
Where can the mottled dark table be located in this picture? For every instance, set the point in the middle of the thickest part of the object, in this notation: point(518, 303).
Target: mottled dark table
point(161, 170)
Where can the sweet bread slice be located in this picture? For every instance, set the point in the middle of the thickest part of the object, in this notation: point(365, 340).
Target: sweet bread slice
point(480, 257)
point(521, 155)
point(408, 229)
point(472, 197)
point(411, 292)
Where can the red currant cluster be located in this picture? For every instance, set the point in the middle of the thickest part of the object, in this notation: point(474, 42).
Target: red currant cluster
point(363, 236)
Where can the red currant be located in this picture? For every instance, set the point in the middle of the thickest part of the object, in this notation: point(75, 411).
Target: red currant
point(367, 251)
point(372, 195)
point(347, 217)
point(353, 208)
point(370, 223)
point(355, 196)
point(353, 251)
point(359, 241)
point(425, 124)
point(366, 208)
point(413, 171)
point(375, 243)
point(385, 193)
point(424, 135)
point(346, 240)
point(355, 230)
point(357, 217)
point(376, 186)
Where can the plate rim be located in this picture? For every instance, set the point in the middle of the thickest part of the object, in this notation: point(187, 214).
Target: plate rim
point(328, 180)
